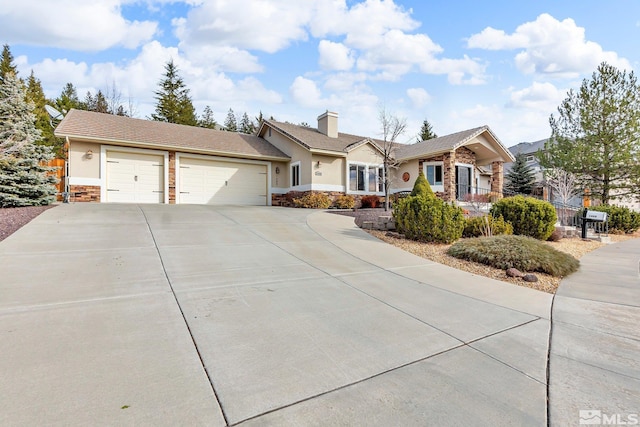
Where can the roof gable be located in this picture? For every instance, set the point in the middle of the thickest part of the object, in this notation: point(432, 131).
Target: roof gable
point(118, 130)
point(477, 136)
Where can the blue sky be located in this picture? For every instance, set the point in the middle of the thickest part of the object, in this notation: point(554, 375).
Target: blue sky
point(460, 64)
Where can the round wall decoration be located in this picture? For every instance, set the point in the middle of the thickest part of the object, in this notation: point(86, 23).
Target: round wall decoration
point(406, 176)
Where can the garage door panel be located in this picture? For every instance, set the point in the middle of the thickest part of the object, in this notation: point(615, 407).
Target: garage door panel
point(220, 182)
point(135, 177)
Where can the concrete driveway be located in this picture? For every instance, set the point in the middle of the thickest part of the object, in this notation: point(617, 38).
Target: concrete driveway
point(199, 315)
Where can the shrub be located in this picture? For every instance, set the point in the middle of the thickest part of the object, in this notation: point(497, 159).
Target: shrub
point(528, 216)
point(486, 226)
point(523, 253)
point(428, 219)
point(313, 201)
point(421, 187)
point(621, 219)
point(369, 202)
point(345, 202)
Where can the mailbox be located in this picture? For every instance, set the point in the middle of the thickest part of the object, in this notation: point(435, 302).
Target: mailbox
point(591, 216)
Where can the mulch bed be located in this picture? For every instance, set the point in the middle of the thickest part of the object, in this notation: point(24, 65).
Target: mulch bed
point(11, 219)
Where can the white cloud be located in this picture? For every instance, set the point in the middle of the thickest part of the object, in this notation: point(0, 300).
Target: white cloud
point(418, 96)
point(305, 92)
point(539, 96)
point(550, 47)
point(334, 56)
point(267, 25)
point(72, 24)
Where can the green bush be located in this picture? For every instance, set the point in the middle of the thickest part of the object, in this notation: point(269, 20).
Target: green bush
point(428, 219)
point(523, 253)
point(421, 187)
point(369, 202)
point(528, 216)
point(486, 226)
point(621, 219)
point(345, 201)
point(313, 201)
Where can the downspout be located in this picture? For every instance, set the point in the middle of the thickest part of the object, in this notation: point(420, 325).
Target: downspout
point(65, 194)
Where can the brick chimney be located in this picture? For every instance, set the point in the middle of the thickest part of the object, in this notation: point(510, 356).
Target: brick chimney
point(328, 124)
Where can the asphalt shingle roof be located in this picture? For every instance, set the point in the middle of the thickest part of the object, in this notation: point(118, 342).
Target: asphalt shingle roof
point(440, 144)
point(314, 139)
point(109, 128)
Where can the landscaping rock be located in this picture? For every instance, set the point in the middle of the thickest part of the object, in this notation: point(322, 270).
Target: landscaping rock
point(514, 272)
point(530, 278)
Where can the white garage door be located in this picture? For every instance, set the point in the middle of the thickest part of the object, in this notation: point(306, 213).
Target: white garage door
point(218, 182)
point(135, 177)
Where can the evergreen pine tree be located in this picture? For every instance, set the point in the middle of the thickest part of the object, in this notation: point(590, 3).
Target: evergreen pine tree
point(6, 63)
point(230, 123)
point(24, 181)
point(426, 132)
point(207, 120)
point(246, 125)
point(35, 95)
point(173, 102)
point(68, 99)
point(520, 178)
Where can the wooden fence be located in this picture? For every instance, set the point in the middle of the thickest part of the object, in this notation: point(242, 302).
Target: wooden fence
point(59, 174)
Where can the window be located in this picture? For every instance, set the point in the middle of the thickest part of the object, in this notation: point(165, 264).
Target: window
point(530, 159)
point(434, 174)
point(295, 174)
point(366, 178)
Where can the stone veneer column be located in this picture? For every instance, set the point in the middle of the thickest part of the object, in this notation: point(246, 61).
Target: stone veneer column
point(172, 177)
point(449, 176)
point(497, 178)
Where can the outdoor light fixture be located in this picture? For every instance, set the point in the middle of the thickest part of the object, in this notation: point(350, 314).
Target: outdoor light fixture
point(89, 154)
point(318, 164)
point(277, 170)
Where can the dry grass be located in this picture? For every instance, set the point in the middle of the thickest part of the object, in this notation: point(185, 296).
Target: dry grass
point(546, 283)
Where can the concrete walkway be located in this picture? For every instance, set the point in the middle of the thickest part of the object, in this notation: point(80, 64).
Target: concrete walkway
point(594, 363)
point(199, 315)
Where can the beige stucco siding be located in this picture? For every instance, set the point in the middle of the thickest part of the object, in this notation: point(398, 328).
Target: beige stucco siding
point(330, 171)
point(279, 179)
point(365, 154)
point(295, 151)
point(410, 167)
point(80, 166)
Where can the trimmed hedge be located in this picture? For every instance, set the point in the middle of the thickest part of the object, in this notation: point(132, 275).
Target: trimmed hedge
point(621, 219)
point(313, 201)
point(428, 219)
point(527, 215)
point(477, 226)
point(345, 201)
point(523, 253)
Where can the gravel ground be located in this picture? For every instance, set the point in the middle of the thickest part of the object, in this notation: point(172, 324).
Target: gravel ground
point(11, 219)
point(438, 253)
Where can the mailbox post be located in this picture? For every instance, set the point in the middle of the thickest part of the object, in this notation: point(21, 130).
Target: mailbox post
point(591, 216)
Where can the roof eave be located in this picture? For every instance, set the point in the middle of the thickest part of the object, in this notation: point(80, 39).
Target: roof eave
point(124, 143)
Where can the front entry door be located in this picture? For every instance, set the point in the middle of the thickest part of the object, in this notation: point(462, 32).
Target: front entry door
point(463, 182)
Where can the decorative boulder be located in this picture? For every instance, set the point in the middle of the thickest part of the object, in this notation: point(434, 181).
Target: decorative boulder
point(514, 272)
point(530, 278)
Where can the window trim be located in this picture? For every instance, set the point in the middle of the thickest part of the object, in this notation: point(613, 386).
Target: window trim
point(367, 174)
point(426, 175)
point(291, 168)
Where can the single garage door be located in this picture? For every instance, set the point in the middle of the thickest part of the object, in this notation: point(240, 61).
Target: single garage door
point(218, 182)
point(135, 177)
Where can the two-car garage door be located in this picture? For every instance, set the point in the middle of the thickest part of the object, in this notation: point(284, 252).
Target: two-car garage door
point(139, 177)
point(205, 181)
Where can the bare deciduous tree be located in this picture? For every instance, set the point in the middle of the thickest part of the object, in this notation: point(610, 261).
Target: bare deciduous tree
point(391, 127)
point(564, 187)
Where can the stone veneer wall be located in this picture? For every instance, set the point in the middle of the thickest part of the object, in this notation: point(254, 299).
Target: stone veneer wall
point(497, 177)
point(84, 193)
point(172, 177)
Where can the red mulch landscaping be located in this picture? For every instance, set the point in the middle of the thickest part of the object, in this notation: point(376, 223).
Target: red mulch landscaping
point(11, 219)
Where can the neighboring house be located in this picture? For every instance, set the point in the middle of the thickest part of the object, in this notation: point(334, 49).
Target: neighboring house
point(530, 151)
point(119, 159)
